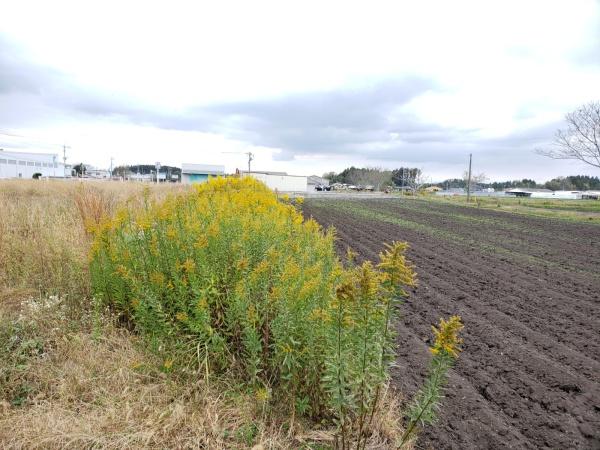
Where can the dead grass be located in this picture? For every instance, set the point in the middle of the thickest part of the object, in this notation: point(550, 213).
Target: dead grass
point(71, 378)
point(92, 385)
point(43, 241)
point(101, 389)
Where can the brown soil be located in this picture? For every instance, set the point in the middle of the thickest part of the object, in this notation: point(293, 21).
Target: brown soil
point(528, 291)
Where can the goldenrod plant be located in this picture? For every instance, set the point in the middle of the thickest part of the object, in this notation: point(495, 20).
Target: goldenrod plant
point(229, 279)
point(445, 350)
point(165, 263)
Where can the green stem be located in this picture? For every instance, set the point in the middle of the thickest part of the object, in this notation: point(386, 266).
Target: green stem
point(385, 334)
point(363, 410)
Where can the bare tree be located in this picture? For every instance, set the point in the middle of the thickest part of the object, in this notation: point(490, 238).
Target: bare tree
point(371, 176)
point(415, 183)
point(380, 177)
point(581, 138)
point(476, 179)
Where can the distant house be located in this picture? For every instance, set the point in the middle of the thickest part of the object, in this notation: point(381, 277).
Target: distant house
point(199, 173)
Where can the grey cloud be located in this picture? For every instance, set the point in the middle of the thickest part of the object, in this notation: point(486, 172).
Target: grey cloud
point(330, 122)
point(324, 121)
point(370, 122)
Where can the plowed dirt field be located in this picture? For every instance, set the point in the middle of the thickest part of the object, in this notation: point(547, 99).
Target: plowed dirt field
point(528, 290)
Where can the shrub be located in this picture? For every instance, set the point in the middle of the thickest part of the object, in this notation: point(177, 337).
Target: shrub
point(241, 284)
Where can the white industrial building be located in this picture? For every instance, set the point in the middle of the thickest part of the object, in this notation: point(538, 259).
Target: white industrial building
point(26, 165)
point(280, 181)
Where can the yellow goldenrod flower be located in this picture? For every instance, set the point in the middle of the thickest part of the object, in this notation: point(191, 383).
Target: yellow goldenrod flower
point(213, 229)
point(168, 364)
point(446, 337)
point(320, 314)
point(242, 264)
point(122, 271)
point(154, 245)
point(394, 265)
point(202, 303)
point(188, 265)
point(181, 316)
point(349, 322)
point(251, 314)
point(143, 222)
point(346, 291)
point(262, 395)
point(157, 278)
point(368, 281)
point(171, 233)
point(286, 348)
point(201, 242)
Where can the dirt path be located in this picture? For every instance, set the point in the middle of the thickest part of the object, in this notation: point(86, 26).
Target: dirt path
point(528, 290)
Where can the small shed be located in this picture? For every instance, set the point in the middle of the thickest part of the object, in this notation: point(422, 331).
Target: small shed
point(199, 173)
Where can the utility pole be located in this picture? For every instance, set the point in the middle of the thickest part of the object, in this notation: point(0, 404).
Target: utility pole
point(469, 178)
point(111, 166)
point(250, 158)
point(65, 147)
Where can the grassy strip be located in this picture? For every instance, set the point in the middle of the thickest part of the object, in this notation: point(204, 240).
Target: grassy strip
point(425, 208)
point(580, 211)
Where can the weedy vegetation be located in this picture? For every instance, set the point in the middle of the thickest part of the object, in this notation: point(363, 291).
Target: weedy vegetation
point(214, 316)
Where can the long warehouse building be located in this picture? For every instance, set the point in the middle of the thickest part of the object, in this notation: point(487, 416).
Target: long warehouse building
point(26, 165)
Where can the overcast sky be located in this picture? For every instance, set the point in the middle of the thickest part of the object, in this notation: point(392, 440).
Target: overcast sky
point(307, 86)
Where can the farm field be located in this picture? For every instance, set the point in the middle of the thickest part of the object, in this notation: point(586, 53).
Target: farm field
point(528, 290)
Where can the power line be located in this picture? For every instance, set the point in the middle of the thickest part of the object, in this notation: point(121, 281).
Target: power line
point(29, 140)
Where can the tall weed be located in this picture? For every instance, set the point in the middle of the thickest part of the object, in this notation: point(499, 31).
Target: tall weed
point(229, 279)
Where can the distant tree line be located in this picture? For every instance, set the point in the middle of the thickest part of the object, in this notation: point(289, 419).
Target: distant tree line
point(411, 177)
point(374, 176)
point(573, 182)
